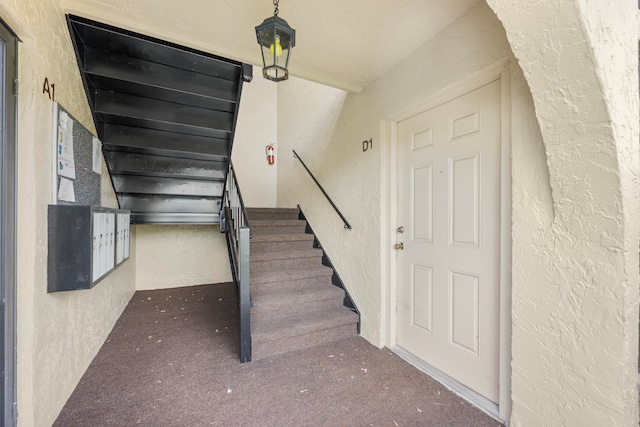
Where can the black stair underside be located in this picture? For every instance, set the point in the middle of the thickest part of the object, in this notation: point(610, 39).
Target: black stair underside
point(166, 115)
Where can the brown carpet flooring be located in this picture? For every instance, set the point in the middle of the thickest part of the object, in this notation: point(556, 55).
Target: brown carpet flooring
point(171, 360)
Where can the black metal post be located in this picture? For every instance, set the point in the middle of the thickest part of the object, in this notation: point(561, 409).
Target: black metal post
point(245, 296)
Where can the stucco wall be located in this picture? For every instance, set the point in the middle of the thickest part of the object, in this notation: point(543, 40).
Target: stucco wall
point(171, 256)
point(256, 128)
point(575, 271)
point(58, 334)
point(327, 127)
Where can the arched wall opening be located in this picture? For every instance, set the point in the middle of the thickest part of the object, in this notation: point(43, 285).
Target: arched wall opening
point(575, 231)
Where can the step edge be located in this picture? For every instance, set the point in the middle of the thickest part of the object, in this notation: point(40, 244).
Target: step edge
point(265, 350)
point(280, 255)
point(268, 238)
point(328, 292)
point(339, 316)
point(303, 274)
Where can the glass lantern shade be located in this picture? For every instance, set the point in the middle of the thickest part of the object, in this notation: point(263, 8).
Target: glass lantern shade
point(276, 38)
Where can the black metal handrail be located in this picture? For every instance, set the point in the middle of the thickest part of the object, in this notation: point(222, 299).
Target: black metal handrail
point(235, 224)
point(238, 203)
point(346, 223)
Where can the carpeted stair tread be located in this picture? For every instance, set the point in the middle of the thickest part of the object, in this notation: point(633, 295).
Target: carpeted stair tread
point(269, 247)
point(255, 210)
point(290, 285)
point(281, 302)
point(285, 264)
point(291, 274)
point(285, 254)
point(259, 214)
point(278, 229)
point(263, 350)
point(293, 286)
point(282, 238)
point(301, 323)
point(277, 223)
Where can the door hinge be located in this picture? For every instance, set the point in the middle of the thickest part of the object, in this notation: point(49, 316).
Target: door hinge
point(14, 412)
point(15, 87)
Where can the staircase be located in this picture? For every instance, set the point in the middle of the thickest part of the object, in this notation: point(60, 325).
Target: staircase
point(295, 304)
point(166, 115)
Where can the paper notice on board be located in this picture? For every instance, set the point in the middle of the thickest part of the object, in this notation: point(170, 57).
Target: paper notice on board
point(97, 156)
point(63, 121)
point(65, 191)
point(66, 162)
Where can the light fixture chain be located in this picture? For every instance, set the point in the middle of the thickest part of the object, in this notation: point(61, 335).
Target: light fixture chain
point(275, 7)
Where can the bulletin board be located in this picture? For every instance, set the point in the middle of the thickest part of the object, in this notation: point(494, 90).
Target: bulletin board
point(77, 161)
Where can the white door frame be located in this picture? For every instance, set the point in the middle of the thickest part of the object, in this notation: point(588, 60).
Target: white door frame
point(8, 228)
point(388, 130)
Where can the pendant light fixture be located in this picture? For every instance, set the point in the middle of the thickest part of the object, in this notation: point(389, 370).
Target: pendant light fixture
point(276, 39)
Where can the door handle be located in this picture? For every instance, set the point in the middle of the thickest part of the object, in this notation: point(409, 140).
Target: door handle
point(399, 246)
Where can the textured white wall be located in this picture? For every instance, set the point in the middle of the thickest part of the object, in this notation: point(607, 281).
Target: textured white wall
point(575, 232)
point(257, 124)
point(171, 256)
point(58, 334)
point(307, 116)
point(327, 127)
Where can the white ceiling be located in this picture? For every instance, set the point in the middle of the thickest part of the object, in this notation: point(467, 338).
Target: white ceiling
point(341, 43)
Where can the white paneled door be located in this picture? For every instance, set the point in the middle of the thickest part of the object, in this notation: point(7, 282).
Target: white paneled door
point(449, 210)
